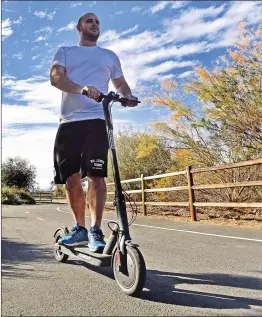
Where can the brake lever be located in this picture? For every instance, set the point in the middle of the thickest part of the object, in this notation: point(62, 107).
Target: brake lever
point(127, 100)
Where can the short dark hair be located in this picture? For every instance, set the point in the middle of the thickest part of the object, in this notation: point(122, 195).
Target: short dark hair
point(80, 19)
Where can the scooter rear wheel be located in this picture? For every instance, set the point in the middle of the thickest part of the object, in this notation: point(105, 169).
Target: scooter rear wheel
point(133, 282)
point(60, 256)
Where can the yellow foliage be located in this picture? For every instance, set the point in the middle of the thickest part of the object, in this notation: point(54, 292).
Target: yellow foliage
point(246, 42)
point(146, 146)
point(168, 84)
point(224, 59)
point(181, 152)
point(234, 55)
point(157, 101)
point(203, 75)
point(178, 115)
point(242, 25)
point(231, 70)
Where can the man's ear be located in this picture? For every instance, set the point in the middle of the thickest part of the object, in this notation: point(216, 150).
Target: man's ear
point(78, 28)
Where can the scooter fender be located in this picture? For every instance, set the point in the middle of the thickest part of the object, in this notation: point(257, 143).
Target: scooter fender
point(62, 228)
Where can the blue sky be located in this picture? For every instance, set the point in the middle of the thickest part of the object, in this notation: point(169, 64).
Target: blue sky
point(154, 41)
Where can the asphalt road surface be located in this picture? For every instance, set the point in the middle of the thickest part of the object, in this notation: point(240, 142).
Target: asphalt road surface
point(192, 269)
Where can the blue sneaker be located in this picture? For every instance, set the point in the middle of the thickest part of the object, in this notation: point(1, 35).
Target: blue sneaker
point(77, 236)
point(96, 240)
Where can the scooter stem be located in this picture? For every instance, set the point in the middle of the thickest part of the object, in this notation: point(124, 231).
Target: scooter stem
point(119, 196)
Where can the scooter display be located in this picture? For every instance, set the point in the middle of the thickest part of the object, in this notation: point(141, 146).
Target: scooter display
point(120, 252)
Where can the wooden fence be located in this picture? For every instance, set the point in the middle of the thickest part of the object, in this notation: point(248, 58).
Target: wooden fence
point(42, 196)
point(191, 188)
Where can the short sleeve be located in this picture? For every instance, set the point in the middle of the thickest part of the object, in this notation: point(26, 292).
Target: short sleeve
point(60, 58)
point(116, 70)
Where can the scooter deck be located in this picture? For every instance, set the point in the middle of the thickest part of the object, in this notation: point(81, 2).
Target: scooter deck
point(84, 253)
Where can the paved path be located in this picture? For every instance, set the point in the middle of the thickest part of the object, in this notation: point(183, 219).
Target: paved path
point(192, 269)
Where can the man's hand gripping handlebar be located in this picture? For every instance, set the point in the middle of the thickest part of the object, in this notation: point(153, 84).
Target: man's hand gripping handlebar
point(125, 102)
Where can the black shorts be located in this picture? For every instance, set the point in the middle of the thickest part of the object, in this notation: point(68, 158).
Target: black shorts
point(80, 147)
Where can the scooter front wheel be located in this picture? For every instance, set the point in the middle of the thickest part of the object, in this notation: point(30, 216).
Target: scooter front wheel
point(60, 256)
point(133, 282)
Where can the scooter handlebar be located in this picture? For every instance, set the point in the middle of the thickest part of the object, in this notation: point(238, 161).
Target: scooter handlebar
point(115, 97)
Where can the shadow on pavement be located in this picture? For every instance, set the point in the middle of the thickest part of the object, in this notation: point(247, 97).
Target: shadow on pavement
point(164, 287)
point(160, 287)
point(16, 254)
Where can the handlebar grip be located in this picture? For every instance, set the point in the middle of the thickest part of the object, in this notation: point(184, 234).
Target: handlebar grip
point(100, 98)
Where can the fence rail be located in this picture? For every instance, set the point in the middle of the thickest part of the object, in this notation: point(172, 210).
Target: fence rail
point(43, 196)
point(191, 188)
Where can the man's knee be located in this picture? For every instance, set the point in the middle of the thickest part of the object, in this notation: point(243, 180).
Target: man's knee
point(73, 181)
point(98, 182)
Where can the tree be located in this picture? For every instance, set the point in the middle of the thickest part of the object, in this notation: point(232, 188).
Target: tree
point(227, 127)
point(232, 97)
point(19, 173)
point(139, 153)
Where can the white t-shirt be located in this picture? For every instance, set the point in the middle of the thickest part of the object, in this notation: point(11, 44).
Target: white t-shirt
point(86, 66)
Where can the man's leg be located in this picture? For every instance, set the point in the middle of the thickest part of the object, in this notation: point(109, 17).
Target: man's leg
point(76, 198)
point(96, 198)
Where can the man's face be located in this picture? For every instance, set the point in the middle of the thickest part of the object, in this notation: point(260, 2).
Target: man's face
point(90, 27)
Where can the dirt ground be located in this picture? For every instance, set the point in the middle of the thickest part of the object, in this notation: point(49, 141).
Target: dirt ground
point(218, 216)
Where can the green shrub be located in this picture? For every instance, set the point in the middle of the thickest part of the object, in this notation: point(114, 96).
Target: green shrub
point(25, 196)
point(9, 197)
point(60, 191)
point(14, 196)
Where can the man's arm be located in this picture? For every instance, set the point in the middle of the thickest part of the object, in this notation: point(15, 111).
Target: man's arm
point(122, 87)
point(59, 80)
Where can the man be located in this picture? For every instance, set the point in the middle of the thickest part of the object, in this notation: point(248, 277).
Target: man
point(81, 145)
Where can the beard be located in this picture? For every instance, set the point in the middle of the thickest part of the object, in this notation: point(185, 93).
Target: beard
point(90, 36)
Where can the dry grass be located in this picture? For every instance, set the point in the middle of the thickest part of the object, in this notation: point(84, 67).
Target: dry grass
point(219, 216)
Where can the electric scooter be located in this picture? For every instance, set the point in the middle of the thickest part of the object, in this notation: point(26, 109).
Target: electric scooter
point(120, 252)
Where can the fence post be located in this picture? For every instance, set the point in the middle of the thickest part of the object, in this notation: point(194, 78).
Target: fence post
point(143, 195)
point(40, 196)
point(192, 208)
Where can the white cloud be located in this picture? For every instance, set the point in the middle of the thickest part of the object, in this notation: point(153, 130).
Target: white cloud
point(36, 92)
point(92, 4)
point(128, 31)
point(110, 35)
point(15, 114)
point(6, 28)
point(42, 14)
point(119, 12)
point(19, 21)
point(41, 106)
point(159, 6)
point(186, 74)
point(7, 10)
point(34, 144)
point(179, 4)
point(136, 9)
point(166, 77)
point(46, 29)
point(68, 27)
point(18, 55)
point(76, 4)
point(151, 73)
point(41, 38)
point(36, 56)
point(203, 22)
